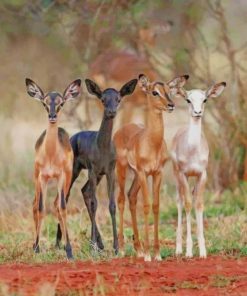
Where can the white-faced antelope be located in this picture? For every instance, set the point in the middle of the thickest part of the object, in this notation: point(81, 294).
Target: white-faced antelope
point(53, 159)
point(190, 158)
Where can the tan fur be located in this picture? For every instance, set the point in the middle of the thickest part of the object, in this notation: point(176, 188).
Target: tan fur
point(63, 138)
point(53, 160)
point(144, 150)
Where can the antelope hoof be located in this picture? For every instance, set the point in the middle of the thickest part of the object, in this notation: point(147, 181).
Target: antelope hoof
point(69, 253)
point(115, 245)
point(203, 253)
point(189, 254)
point(100, 243)
point(147, 258)
point(36, 248)
point(189, 248)
point(157, 257)
point(140, 254)
point(179, 250)
point(116, 251)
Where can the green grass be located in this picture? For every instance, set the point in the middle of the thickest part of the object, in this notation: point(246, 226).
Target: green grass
point(225, 226)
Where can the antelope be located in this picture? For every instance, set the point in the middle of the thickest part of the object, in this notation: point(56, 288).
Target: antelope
point(95, 152)
point(113, 67)
point(120, 66)
point(53, 159)
point(189, 155)
point(144, 150)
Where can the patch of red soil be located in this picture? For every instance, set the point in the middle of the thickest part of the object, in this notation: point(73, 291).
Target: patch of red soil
point(129, 276)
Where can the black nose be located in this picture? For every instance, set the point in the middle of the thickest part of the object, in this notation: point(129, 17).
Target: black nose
point(171, 105)
point(53, 116)
point(199, 112)
point(111, 113)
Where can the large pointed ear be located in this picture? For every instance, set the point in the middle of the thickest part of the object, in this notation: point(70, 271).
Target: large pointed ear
point(93, 88)
point(176, 86)
point(73, 90)
point(178, 92)
point(215, 90)
point(34, 90)
point(143, 82)
point(128, 88)
point(178, 81)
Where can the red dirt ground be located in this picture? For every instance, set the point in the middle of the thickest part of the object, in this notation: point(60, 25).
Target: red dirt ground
point(129, 276)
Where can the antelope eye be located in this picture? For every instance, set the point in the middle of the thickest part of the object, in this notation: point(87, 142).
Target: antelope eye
point(188, 101)
point(155, 93)
point(205, 101)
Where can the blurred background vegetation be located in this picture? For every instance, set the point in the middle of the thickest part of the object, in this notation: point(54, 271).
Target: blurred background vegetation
point(112, 41)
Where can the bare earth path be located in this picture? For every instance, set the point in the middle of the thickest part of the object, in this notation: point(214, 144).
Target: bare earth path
point(213, 276)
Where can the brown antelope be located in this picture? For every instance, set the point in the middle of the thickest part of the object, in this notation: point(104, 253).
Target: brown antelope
point(190, 158)
point(143, 149)
point(53, 159)
point(114, 67)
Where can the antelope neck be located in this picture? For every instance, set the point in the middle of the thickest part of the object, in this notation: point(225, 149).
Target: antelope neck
point(105, 133)
point(155, 124)
point(194, 131)
point(51, 138)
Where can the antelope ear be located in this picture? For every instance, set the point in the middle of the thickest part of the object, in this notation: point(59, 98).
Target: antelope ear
point(143, 82)
point(34, 90)
point(93, 88)
point(128, 88)
point(178, 92)
point(178, 81)
point(215, 90)
point(73, 90)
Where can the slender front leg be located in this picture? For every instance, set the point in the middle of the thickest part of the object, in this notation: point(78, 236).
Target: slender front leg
point(132, 195)
point(146, 207)
point(198, 194)
point(69, 183)
point(156, 203)
point(179, 240)
point(112, 206)
point(185, 191)
point(86, 195)
point(39, 209)
point(121, 175)
point(179, 201)
point(88, 192)
point(60, 204)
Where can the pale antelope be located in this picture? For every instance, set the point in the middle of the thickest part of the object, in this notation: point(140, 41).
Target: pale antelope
point(190, 159)
point(143, 149)
point(53, 159)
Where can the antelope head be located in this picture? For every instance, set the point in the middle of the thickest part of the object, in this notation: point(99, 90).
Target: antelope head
point(53, 101)
point(161, 92)
point(110, 97)
point(197, 98)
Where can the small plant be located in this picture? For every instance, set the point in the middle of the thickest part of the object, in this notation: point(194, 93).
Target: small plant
point(220, 281)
